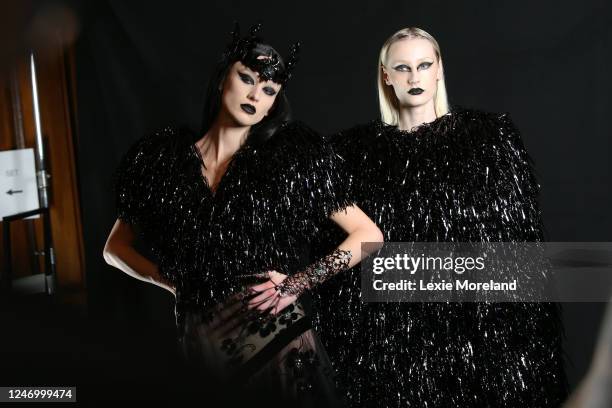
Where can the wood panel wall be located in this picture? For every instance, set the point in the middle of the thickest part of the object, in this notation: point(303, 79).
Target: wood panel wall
point(55, 72)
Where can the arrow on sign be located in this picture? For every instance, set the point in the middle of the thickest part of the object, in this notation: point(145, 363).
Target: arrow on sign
point(11, 192)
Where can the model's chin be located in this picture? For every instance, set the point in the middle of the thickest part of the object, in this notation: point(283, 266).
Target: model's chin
point(412, 101)
point(245, 119)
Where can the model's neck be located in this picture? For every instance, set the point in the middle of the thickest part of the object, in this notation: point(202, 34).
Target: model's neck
point(222, 140)
point(411, 117)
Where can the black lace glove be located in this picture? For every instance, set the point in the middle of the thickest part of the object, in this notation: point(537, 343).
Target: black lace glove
point(315, 273)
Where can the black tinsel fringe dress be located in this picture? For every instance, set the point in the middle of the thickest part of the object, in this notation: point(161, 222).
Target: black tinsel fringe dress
point(267, 208)
point(465, 177)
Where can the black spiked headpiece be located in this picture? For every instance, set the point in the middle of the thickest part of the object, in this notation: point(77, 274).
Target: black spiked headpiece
point(241, 49)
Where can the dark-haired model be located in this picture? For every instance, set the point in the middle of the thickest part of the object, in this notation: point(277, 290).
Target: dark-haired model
point(228, 213)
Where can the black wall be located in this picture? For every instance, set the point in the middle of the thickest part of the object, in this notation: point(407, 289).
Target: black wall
point(142, 65)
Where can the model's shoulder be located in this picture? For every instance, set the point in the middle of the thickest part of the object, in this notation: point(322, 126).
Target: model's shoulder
point(479, 117)
point(294, 146)
point(156, 146)
point(293, 136)
point(481, 125)
point(493, 132)
point(357, 134)
point(168, 136)
point(150, 140)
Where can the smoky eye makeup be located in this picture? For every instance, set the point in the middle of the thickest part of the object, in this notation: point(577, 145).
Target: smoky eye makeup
point(269, 91)
point(406, 68)
point(246, 78)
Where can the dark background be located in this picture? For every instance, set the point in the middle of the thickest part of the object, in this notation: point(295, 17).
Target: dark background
point(143, 65)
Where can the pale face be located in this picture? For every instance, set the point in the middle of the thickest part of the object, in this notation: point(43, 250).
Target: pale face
point(246, 99)
point(412, 66)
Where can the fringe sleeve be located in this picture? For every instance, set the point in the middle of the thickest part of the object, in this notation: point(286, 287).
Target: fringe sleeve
point(511, 184)
point(350, 147)
point(134, 178)
point(310, 170)
point(350, 157)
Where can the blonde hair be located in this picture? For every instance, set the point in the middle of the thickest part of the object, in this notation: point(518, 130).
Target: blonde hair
point(389, 105)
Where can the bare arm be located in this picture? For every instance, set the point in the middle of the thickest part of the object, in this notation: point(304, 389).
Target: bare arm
point(281, 290)
point(360, 228)
point(120, 253)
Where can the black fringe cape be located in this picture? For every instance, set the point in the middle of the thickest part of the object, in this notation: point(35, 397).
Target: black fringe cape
point(465, 177)
point(268, 206)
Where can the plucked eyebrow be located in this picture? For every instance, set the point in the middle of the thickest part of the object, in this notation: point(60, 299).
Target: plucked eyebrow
point(406, 62)
point(273, 88)
point(249, 71)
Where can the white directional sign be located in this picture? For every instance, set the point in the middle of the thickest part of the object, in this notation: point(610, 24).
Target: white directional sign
point(18, 188)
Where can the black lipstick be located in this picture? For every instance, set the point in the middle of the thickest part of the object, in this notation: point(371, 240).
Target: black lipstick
point(250, 109)
point(416, 91)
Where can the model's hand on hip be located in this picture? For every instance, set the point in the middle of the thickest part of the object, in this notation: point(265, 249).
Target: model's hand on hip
point(267, 297)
